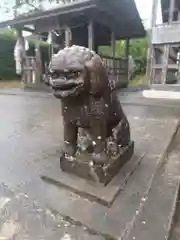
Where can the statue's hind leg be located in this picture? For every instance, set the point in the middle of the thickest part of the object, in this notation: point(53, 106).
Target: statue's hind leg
point(70, 138)
point(99, 135)
point(121, 132)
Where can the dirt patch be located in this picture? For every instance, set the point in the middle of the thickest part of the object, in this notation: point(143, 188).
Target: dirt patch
point(10, 84)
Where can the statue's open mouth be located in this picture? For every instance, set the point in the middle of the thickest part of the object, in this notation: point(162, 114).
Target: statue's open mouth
point(69, 85)
point(65, 88)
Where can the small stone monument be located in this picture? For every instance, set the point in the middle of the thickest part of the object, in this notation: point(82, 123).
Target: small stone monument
point(96, 131)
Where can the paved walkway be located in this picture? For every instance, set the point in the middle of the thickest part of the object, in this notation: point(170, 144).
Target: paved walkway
point(31, 135)
point(23, 219)
point(31, 131)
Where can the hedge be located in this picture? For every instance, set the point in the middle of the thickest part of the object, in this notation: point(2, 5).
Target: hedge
point(138, 50)
point(7, 63)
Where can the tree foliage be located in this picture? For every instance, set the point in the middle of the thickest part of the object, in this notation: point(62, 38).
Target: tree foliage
point(21, 7)
point(138, 50)
point(7, 63)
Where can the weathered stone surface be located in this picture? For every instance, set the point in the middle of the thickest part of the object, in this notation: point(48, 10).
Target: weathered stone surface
point(83, 165)
point(79, 78)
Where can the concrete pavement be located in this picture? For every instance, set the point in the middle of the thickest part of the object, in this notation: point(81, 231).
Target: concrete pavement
point(30, 140)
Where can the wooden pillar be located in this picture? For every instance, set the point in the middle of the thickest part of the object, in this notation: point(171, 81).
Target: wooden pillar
point(49, 41)
point(165, 64)
point(113, 62)
point(19, 54)
point(167, 46)
point(126, 50)
point(51, 49)
point(38, 63)
point(171, 10)
point(179, 15)
point(96, 48)
point(150, 54)
point(91, 35)
point(126, 55)
point(113, 44)
point(68, 37)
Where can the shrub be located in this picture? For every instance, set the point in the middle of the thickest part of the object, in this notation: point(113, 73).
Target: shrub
point(7, 64)
point(138, 50)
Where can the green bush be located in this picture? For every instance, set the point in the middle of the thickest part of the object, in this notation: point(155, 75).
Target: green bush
point(7, 64)
point(138, 50)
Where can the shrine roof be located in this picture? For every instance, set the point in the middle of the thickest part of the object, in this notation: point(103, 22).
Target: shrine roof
point(119, 15)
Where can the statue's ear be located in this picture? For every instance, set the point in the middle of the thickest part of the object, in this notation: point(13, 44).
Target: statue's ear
point(95, 63)
point(90, 65)
point(86, 74)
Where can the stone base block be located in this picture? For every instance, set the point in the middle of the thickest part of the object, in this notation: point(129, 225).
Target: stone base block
point(83, 166)
point(91, 190)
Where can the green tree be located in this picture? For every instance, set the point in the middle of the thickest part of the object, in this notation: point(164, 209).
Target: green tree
point(20, 7)
point(138, 50)
point(7, 33)
point(138, 47)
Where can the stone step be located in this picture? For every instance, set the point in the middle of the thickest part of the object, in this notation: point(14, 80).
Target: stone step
point(161, 94)
point(156, 216)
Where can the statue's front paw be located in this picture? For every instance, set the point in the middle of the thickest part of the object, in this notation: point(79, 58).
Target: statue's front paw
point(112, 148)
point(121, 133)
point(86, 145)
point(69, 149)
point(100, 158)
point(65, 156)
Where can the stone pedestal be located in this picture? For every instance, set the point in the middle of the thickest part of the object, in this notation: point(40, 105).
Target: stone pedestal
point(82, 166)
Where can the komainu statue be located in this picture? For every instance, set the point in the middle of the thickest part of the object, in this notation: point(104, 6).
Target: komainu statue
point(96, 131)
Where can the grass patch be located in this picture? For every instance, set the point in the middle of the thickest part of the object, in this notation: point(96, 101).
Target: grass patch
point(138, 80)
point(5, 84)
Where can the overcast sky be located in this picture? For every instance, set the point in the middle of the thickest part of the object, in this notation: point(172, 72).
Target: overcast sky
point(144, 7)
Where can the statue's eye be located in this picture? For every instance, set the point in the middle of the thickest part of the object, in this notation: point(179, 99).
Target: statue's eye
point(57, 74)
point(70, 75)
point(79, 73)
point(53, 75)
point(74, 74)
